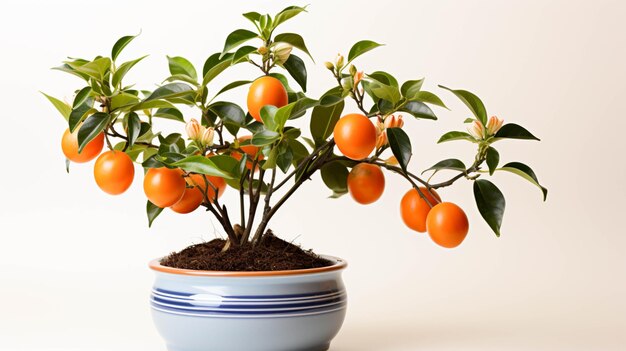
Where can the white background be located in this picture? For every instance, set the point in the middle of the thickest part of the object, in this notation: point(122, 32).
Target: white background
point(73, 260)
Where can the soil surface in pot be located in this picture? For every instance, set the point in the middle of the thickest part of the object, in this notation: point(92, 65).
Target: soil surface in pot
point(273, 254)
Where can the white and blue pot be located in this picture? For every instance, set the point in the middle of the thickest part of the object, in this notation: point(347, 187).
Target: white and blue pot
point(299, 310)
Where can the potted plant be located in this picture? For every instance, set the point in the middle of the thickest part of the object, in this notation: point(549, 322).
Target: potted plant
point(252, 290)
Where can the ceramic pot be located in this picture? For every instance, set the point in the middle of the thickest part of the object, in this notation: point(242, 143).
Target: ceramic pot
point(299, 310)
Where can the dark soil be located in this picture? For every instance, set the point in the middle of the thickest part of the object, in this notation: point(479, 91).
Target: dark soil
point(273, 254)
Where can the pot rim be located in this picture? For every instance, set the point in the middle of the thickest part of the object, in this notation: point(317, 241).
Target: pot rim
point(339, 264)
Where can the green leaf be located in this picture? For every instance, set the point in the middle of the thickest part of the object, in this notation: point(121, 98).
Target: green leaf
point(332, 96)
point(153, 212)
point(428, 97)
point(252, 16)
point(296, 68)
point(68, 69)
point(384, 78)
point(514, 131)
point(292, 110)
point(121, 71)
point(170, 90)
point(285, 157)
point(81, 96)
point(146, 105)
point(385, 92)
point(286, 14)
point(169, 113)
point(233, 85)
point(418, 110)
point(472, 101)
point(134, 128)
point(79, 113)
point(95, 69)
point(180, 65)
point(410, 88)
point(360, 48)
point(400, 146)
point(63, 108)
point(202, 165)
point(324, 119)
point(451, 163)
point(525, 172)
point(123, 99)
point(237, 38)
point(120, 44)
point(493, 157)
point(90, 129)
point(182, 78)
point(454, 135)
point(231, 114)
point(490, 202)
point(264, 137)
point(295, 40)
point(215, 65)
point(268, 112)
point(243, 52)
point(335, 176)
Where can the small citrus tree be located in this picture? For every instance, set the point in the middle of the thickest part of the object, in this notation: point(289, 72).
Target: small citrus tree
point(260, 154)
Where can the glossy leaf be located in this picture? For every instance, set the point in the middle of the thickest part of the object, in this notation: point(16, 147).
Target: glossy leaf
point(180, 65)
point(428, 97)
point(292, 110)
point(81, 96)
point(451, 163)
point(243, 52)
point(324, 119)
point(264, 137)
point(295, 40)
point(120, 44)
point(411, 87)
point(122, 100)
point(215, 65)
point(360, 48)
point(384, 78)
point(237, 38)
point(169, 113)
point(252, 16)
point(455, 135)
point(78, 114)
point(514, 131)
point(231, 114)
point(385, 92)
point(400, 146)
point(153, 211)
point(296, 68)
point(418, 110)
point(268, 112)
point(123, 69)
point(525, 172)
point(95, 69)
point(68, 69)
point(335, 176)
point(134, 128)
point(233, 85)
point(63, 108)
point(493, 158)
point(90, 129)
point(170, 90)
point(490, 202)
point(202, 165)
point(472, 102)
point(286, 14)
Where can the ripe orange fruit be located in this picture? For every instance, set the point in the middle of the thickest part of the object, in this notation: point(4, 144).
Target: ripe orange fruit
point(197, 180)
point(164, 186)
point(114, 172)
point(414, 209)
point(265, 91)
point(447, 224)
point(355, 136)
point(191, 200)
point(69, 144)
point(366, 183)
point(249, 149)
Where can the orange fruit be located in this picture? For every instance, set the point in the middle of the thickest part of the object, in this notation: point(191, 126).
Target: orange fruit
point(197, 180)
point(191, 200)
point(163, 186)
point(265, 91)
point(355, 136)
point(69, 144)
point(249, 149)
point(366, 183)
point(114, 172)
point(414, 209)
point(447, 224)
